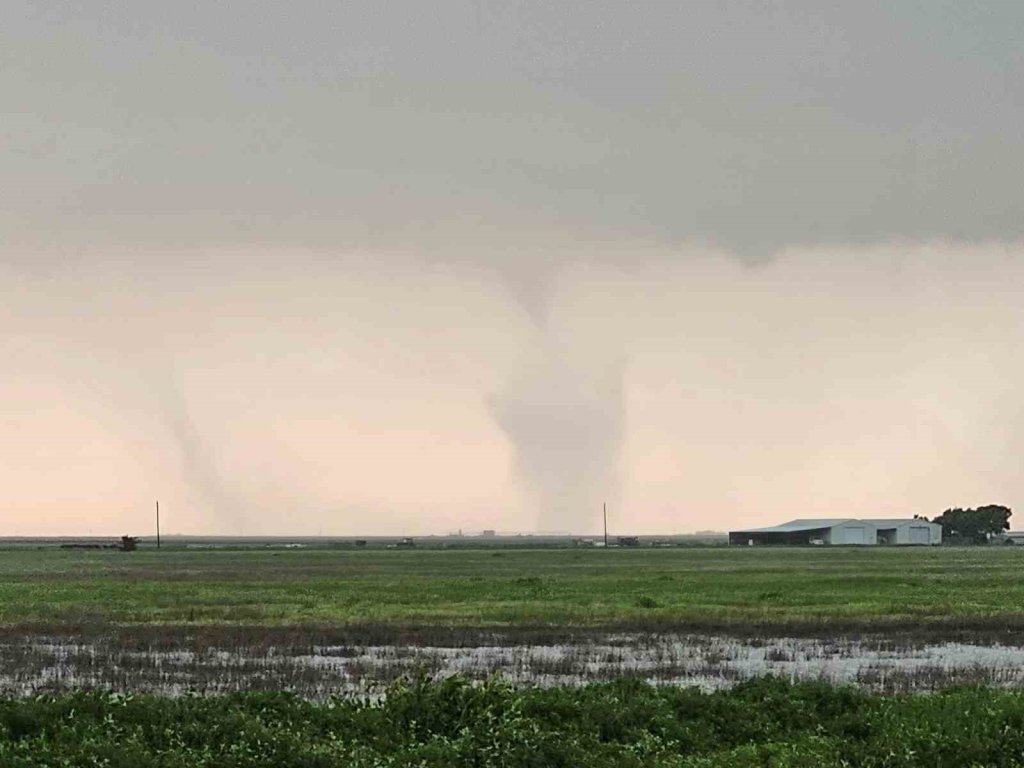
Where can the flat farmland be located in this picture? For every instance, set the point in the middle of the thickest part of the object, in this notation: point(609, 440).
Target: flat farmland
point(942, 590)
point(685, 657)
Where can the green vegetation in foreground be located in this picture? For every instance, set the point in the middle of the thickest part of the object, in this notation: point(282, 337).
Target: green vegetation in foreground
point(590, 588)
point(446, 725)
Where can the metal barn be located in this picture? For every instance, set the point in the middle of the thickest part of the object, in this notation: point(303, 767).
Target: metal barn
point(843, 531)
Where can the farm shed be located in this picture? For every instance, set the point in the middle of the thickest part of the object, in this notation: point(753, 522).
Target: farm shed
point(848, 531)
point(808, 532)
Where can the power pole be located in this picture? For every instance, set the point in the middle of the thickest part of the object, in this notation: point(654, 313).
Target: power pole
point(158, 525)
point(606, 524)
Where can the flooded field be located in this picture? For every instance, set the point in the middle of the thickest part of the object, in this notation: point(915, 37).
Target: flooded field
point(330, 623)
point(34, 665)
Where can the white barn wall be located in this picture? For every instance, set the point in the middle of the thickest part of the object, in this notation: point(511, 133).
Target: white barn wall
point(922, 533)
point(853, 532)
point(913, 534)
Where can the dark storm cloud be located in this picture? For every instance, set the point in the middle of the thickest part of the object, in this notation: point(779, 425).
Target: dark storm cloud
point(750, 125)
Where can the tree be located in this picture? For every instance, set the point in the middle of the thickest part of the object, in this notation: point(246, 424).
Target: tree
point(974, 526)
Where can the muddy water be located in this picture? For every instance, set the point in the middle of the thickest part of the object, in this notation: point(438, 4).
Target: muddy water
point(36, 665)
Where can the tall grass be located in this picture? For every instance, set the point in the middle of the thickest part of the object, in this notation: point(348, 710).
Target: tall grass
point(449, 724)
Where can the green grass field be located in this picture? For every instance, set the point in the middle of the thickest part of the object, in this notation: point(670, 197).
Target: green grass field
point(695, 587)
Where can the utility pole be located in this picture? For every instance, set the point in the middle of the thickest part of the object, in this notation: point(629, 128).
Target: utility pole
point(158, 525)
point(606, 524)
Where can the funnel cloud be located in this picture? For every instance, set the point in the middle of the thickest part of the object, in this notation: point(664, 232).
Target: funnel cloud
point(565, 418)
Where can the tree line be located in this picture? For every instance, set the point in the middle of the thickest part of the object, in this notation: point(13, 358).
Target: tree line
point(973, 526)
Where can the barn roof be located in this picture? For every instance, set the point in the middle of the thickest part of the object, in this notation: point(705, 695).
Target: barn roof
point(798, 526)
point(894, 522)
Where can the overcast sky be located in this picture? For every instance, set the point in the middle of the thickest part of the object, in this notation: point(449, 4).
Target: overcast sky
point(396, 267)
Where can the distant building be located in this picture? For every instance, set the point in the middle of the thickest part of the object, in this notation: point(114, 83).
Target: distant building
point(850, 531)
